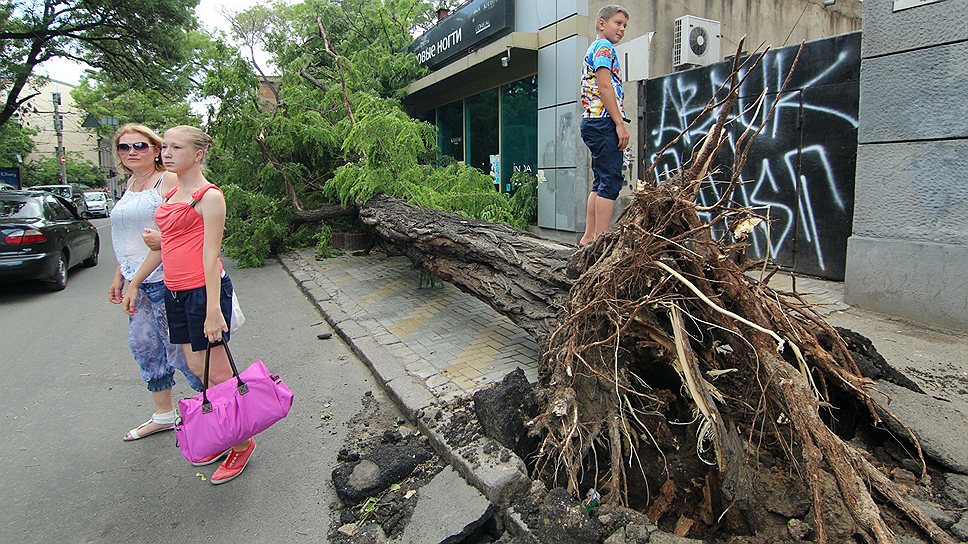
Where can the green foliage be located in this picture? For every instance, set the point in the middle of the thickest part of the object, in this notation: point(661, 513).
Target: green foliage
point(524, 199)
point(15, 140)
point(324, 240)
point(255, 225)
point(102, 98)
point(44, 171)
point(145, 44)
point(393, 152)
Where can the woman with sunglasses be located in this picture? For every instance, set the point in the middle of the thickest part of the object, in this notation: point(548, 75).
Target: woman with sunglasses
point(138, 151)
point(198, 291)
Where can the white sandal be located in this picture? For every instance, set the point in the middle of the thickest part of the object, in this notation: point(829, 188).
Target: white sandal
point(167, 418)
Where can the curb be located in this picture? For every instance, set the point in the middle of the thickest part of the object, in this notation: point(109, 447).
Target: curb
point(498, 481)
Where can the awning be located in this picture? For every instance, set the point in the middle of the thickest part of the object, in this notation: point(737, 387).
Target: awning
point(477, 71)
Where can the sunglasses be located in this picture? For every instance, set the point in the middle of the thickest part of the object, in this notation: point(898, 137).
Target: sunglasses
point(140, 147)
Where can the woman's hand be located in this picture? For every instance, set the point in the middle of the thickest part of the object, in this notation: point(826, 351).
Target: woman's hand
point(152, 239)
point(215, 325)
point(130, 299)
point(116, 290)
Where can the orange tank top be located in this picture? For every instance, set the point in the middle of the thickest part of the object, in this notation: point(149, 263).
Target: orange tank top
point(182, 238)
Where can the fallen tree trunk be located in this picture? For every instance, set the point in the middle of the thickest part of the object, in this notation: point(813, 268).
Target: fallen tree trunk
point(301, 217)
point(661, 355)
point(518, 274)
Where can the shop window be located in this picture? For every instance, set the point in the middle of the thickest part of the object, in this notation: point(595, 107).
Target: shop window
point(450, 130)
point(519, 129)
point(483, 148)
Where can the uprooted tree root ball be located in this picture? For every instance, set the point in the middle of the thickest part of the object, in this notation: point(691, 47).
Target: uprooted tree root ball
point(748, 407)
point(673, 378)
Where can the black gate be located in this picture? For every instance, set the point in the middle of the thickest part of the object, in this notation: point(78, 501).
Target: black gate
point(801, 168)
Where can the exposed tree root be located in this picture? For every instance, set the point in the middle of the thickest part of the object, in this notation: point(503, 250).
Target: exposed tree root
point(659, 289)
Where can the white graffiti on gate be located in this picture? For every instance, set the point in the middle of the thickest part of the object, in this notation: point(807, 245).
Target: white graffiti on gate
point(682, 99)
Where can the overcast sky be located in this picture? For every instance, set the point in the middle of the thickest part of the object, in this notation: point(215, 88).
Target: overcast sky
point(209, 14)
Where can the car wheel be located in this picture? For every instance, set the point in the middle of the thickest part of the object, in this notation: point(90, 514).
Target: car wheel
point(92, 260)
point(59, 281)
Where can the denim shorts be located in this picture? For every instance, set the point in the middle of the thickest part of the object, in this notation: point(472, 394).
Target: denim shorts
point(600, 137)
point(186, 314)
point(148, 338)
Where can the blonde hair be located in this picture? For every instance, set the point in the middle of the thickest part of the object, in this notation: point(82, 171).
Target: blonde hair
point(609, 11)
point(198, 138)
point(153, 139)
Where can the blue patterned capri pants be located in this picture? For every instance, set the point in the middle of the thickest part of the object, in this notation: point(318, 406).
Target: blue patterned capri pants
point(148, 338)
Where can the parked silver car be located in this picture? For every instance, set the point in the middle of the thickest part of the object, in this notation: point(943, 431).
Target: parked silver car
point(97, 203)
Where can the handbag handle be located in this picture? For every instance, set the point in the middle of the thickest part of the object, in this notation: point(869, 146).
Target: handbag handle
point(243, 389)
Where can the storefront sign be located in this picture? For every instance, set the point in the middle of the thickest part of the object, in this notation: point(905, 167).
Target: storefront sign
point(10, 176)
point(458, 32)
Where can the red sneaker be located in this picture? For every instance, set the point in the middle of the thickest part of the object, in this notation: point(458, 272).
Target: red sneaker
point(212, 458)
point(233, 465)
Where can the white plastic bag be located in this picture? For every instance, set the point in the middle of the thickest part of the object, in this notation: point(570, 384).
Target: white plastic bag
point(238, 318)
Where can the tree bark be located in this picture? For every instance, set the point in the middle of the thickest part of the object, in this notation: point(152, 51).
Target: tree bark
point(518, 274)
point(323, 213)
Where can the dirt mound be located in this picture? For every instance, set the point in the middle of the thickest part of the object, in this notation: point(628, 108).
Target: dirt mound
point(380, 469)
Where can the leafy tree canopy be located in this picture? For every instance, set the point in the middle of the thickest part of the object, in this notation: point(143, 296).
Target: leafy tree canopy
point(15, 142)
point(102, 98)
point(144, 41)
point(45, 170)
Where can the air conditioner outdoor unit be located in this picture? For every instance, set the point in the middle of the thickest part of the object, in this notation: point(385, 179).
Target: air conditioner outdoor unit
point(695, 42)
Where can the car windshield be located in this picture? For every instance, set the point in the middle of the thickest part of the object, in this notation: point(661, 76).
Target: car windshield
point(20, 208)
point(59, 191)
point(95, 196)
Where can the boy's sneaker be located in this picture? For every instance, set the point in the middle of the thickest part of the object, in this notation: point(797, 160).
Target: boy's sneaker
point(233, 465)
point(212, 458)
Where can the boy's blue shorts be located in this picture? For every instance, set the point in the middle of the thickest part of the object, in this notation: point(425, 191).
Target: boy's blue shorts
point(187, 311)
point(600, 137)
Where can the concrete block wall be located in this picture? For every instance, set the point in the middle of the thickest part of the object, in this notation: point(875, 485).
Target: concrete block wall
point(562, 159)
point(908, 252)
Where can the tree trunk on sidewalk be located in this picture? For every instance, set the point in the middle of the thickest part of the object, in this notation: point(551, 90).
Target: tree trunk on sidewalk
point(516, 273)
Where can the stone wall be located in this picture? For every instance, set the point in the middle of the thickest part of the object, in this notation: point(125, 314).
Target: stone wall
point(908, 255)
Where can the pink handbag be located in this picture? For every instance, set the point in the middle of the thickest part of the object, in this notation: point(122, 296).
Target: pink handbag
point(226, 414)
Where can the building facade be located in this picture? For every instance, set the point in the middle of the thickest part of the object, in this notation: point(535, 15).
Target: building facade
point(504, 87)
point(38, 113)
point(907, 255)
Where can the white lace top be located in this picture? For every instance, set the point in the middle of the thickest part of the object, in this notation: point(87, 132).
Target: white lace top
point(133, 213)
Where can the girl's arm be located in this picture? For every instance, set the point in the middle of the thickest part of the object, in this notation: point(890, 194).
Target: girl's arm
point(151, 263)
point(212, 209)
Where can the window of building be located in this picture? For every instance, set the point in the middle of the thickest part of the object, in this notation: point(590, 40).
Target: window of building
point(483, 147)
point(450, 130)
point(496, 130)
point(519, 129)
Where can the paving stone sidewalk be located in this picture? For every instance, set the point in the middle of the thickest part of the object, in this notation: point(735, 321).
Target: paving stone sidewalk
point(450, 341)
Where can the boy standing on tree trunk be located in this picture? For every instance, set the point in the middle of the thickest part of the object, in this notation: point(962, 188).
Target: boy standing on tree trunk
point(603, 121)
